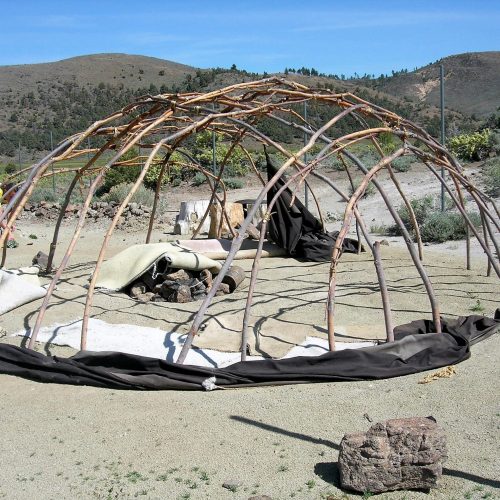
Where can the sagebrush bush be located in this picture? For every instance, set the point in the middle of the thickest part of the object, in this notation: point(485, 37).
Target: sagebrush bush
point(369, 191)
point(43, 194)
point(422, 208)
point(491, 177)
point(143, 196)
point(443, 226)
point(231, 183)
point(199, 179)
point(435, 226)
point(403, 163)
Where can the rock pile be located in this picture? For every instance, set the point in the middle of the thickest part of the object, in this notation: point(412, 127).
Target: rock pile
point(179, 286)
point(404, 453)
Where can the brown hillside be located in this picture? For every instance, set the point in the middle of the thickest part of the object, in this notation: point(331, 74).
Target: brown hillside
point(472, 83)
point(133, 71)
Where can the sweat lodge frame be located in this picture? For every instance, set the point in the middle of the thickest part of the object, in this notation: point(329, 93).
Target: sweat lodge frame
point(161, 124)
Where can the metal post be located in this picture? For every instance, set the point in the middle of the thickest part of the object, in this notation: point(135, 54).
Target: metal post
point(306, 191)
point(441, 80)
point(91, 180)
point(52, 166)
point(214, 159)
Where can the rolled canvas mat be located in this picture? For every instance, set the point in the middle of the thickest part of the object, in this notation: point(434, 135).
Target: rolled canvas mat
point(218, 249)
point(128, 265)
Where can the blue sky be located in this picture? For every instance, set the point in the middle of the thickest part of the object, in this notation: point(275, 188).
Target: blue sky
point(333, 36)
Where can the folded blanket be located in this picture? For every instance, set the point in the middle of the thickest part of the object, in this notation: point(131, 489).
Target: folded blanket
point(17, 289)
point(124, 268)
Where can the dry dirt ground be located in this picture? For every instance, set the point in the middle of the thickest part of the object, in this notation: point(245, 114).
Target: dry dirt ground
point(81, 442)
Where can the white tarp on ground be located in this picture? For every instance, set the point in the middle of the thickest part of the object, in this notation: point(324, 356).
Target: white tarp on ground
point(18, 287)
point(157, 343)
point(125, 267)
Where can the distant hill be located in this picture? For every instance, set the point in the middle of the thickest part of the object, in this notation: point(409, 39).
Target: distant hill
point(66, 96)
point(112, 69)
point(472, 83)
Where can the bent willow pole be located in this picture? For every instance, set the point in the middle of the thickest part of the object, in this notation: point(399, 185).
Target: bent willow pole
point(248, 117)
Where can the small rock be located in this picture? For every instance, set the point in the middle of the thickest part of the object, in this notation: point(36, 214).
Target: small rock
point(222, 290)
point(183, 294)
point(145, 297)
point(158, 298)
point(180, 275)
point(40, 259)
point(138, 289)
point(260, 497)
point(41, 212)
point(199, 295)
point(384, 242)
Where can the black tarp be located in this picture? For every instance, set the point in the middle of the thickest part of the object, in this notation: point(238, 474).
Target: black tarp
point(295, 229)
point(416, 349)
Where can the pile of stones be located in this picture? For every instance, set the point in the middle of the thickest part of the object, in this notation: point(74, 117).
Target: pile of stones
point(179, 286)
point(97, 211)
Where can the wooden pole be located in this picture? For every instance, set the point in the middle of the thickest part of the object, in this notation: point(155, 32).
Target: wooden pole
point(383, 291)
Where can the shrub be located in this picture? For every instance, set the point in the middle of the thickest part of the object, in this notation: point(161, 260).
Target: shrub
point(10, 168)
point(491, 177)
point(231, 183)
point(235, 166)
point(199, 179)
point(369, 191)
point(43, 194)
point(174, 174)
point(444, 226)
point(422, 207)
point(387, 142)
point(403, 163)
point(122, 174)
point(142, 196)
point(471, 147)
point(435, 226)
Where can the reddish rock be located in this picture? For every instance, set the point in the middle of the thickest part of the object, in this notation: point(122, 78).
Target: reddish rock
point(406, 453)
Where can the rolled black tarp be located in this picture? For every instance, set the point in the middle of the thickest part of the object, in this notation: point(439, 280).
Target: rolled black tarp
point(417, 348)
point(295, 229)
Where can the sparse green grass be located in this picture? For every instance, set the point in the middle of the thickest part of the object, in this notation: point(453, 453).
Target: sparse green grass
point(378, 229)
point(311, 484)
point(477, 307)
point(135, 476)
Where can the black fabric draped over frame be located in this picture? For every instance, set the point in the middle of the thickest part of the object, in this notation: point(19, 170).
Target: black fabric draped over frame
point(295, 229)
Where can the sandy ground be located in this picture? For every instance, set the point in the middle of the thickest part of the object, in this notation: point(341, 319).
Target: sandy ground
point(79, 442)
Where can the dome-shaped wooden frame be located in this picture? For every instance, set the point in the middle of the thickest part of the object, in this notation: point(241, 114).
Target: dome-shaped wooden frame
point(162, 123)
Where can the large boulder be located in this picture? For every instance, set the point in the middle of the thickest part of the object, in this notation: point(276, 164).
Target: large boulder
point(405, 453)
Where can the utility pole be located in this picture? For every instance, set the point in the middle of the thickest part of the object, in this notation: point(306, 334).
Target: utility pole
point(306, 190)
point(443, 140)
point(214, 158)
point(52, 166)
point(89, 155)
